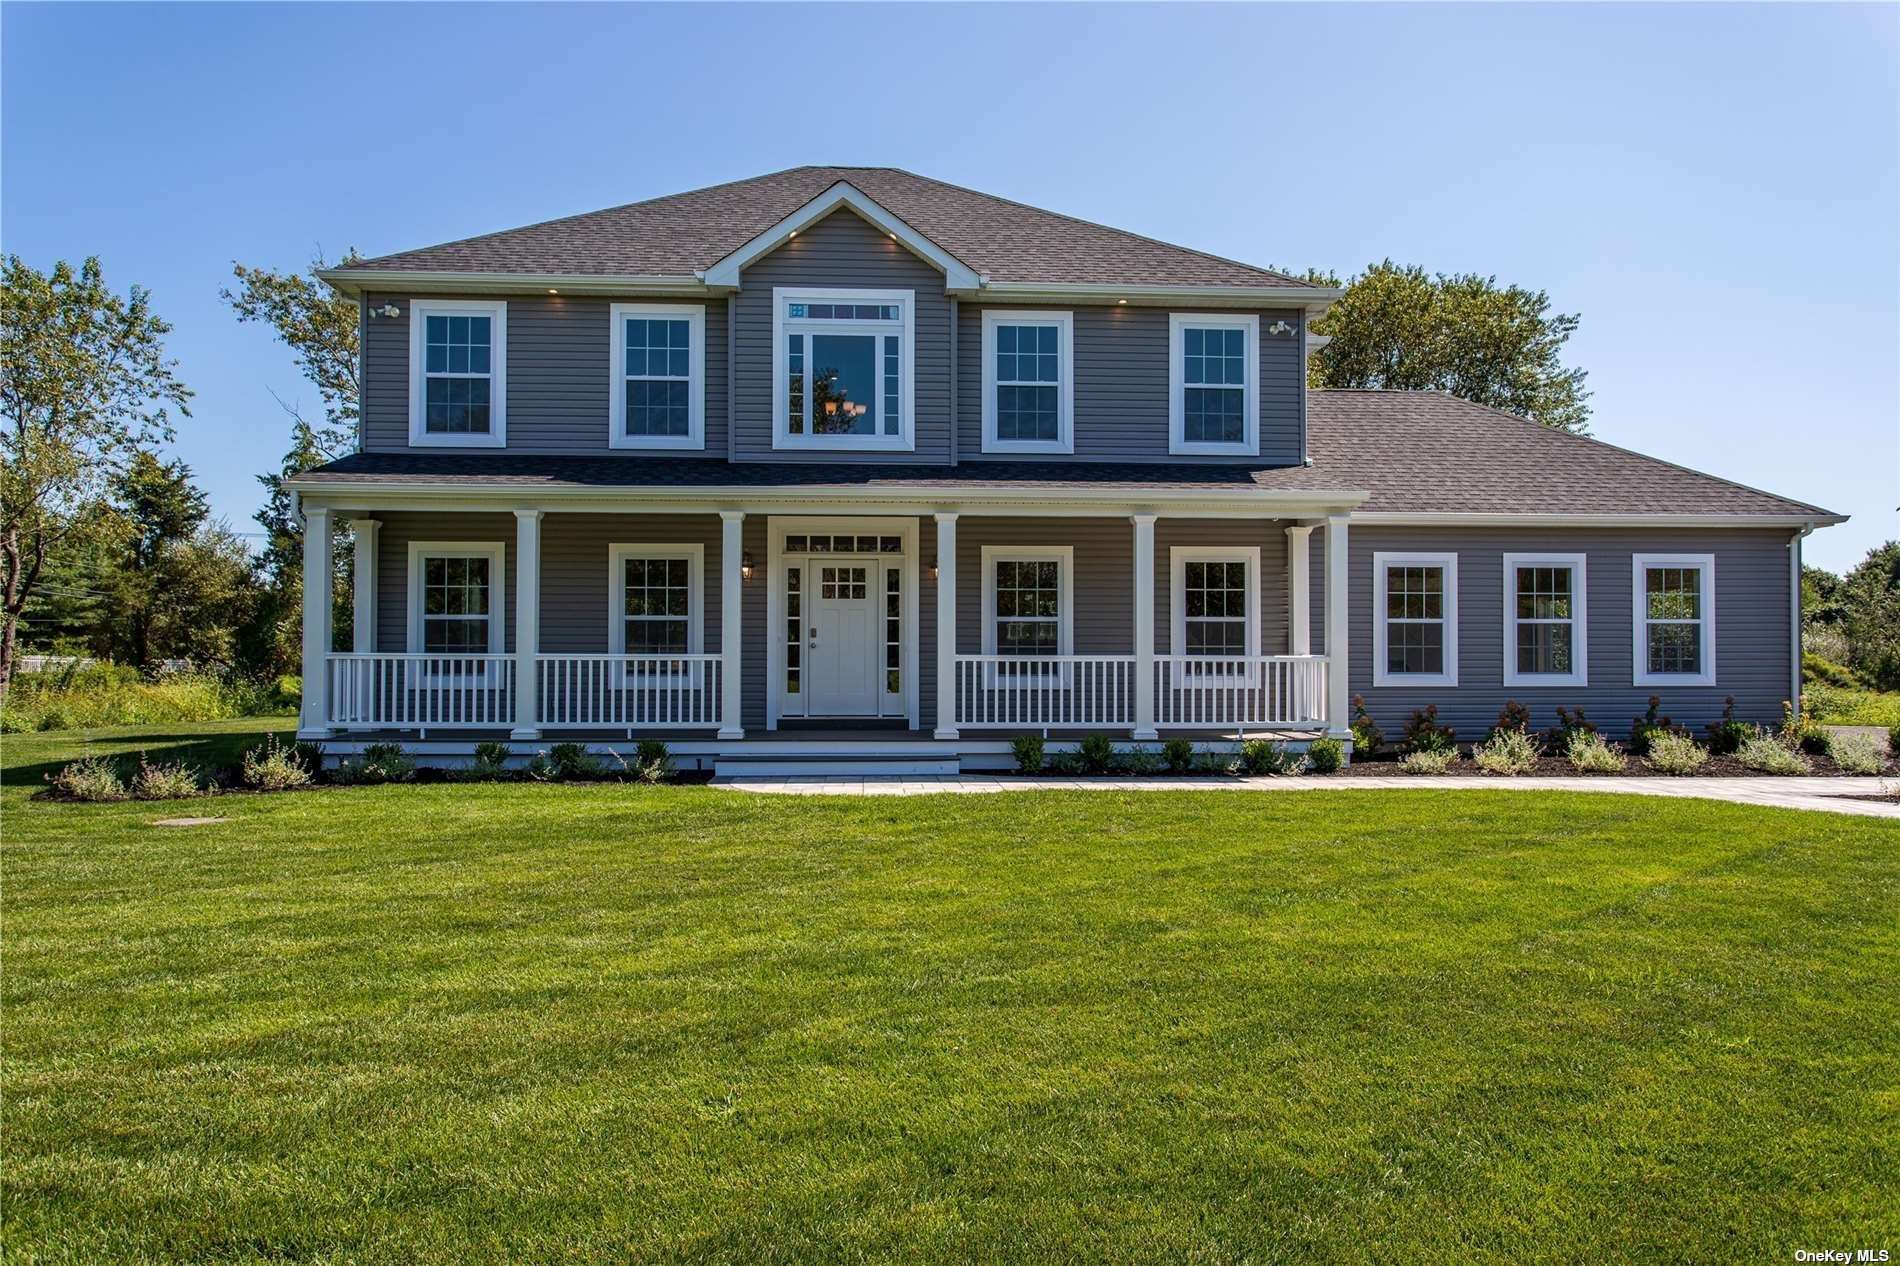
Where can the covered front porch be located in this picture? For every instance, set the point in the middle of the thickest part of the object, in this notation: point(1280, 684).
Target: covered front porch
point(823, 630)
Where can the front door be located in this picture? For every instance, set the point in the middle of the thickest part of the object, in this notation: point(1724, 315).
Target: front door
point(842, 653)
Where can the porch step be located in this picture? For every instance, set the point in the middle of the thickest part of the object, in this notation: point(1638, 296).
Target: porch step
point(836, 765)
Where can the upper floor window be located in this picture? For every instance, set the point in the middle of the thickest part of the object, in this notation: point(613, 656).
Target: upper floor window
point(1544, 620)
point(458, 353)
point(1675, 619)
point(1415, 619)
point(842, 367)
point(658, 375)
point(1213, 383)
point(1028, 382)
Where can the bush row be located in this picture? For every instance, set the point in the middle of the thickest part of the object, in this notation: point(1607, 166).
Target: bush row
point(1097, 754)
point(95, 695)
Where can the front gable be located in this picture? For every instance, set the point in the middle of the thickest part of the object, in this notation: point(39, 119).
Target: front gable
point(843, 196)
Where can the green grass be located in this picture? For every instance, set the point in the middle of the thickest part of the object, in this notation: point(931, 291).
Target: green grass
point(108, 695)
point(1842, 705)
point(545, 1023)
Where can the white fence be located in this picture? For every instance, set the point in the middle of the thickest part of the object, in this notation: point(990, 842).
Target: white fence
point(629, 691)
point(1245, 692)
point(441, 692)
point(1045, 691)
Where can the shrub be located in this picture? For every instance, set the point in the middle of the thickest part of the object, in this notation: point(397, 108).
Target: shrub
point(1507, 752)
point(1893, 740)
point(1800, 730)
point(1423, 733)
point(1065, 763)
point(379, 763)
point(1672, 752)
point(1139, 760)
point(1766, 753)
point(1178, 753)
point(1367, 737)
point(491, 757)
point(1513, 716)
point(1325, 755)
point(1264, 756)
point(1857, 754)
point(1434, 760)
point(570, 760)
point(651, 761)
point(274, 766)
point(1727, 735)
point(94, 778)
point(1589, 754)
point(1569, 725)
point(1217, 762)
point(176, 781)
point(1027, 748)
point(1646, 729)
point(1097, 754)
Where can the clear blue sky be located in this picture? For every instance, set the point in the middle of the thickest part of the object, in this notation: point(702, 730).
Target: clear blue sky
point(1716, 190)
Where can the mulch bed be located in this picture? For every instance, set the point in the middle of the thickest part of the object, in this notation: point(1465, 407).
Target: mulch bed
point(1553, 766)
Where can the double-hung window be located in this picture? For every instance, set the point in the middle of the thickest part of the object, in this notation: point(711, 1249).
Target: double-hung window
point(843, 363)
point(455, 599)
point(458, 353)
point(1415, 619)
point(1213, 383)
point(655, 591)
point(658, 376)
point(1544, 623)
point(1674, 602)
point(1028, 382)
point(1028, 611)
point(1214, 596)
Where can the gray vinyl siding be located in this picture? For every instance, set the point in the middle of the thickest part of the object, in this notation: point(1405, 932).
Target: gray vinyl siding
point(400, 528)
point(557, 376)
point(1121, 388)
point(576, 583)
point(841, 251)
point(1751, 626)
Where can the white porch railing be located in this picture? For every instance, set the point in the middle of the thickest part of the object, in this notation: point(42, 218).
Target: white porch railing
point(1036, 691)
point(421, 691)
point(629, 691)
point(1245, 692)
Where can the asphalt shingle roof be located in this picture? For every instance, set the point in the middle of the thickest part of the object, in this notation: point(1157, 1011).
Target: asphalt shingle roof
point(1415, 452)
point(688, 232)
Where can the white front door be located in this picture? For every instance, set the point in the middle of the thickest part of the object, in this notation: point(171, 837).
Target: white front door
point(842, 652)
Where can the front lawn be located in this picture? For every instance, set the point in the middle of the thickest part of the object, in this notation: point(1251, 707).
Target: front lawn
point(523, 1022)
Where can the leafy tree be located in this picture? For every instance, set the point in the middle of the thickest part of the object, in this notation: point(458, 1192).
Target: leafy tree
point(1870, 603)
point(1404, 329)
point(84, 385)
point(1820, 595)
point(210, 595)
point(154, 587)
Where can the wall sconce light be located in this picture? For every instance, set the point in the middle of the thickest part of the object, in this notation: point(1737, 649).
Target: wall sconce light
point(745, 566)
point(933, 570)
point(1279, 327)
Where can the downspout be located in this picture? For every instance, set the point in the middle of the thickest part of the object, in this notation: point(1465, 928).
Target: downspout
point(1794, 615)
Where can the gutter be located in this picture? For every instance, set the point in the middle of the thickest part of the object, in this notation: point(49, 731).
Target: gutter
point(1399, 518)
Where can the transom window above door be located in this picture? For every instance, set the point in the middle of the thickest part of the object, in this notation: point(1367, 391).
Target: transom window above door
point(842, 366)
point(658, 375)
point(1028, 382)
point(457, 383)
point(1213, 383)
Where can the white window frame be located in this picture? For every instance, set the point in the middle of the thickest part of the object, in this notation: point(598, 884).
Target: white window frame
point(1178, 325)
point(1064, 325)
point(1579, 674)
point(905, 440)
point(496, 552)
point(694, 314)
point(1640, 565)
point(1064, 557)
point(1179, 556)
point(695, 556)
point(1383, 562)
point(419, 311)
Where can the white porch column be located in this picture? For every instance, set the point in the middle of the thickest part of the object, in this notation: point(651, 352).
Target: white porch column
point(1299, 574)
point(946, 626)
point(363, 598)
point(527, 624)
point(1338, 686)
point(731, 600)
point(1144, 625)
point(317, 584)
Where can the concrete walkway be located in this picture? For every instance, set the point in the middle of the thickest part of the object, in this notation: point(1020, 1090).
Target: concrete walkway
point(1832, 795)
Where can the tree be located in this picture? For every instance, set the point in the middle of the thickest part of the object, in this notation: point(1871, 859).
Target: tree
point(1403, 329)
point(320, 328)
point(1870, 604)
point(161, 510)
point(84, 384)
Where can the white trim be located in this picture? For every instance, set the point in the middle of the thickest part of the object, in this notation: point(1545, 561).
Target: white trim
point(1398, 518)
point(354, 282)
point(695, 317)
point(1064, 557)
point(1381, 562)
point(496, 552)
point(1179, 556)
point(1313, 299)
point(1178, 324)
point(497, 312)
point(1639, 620)
point(1579, 674)
point(905, 440)
point(695, 555)
point(777, 527)
point(957, 274)
point(1064, 323)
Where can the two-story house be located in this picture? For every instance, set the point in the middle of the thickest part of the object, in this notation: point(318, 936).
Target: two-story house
point(849, 466)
